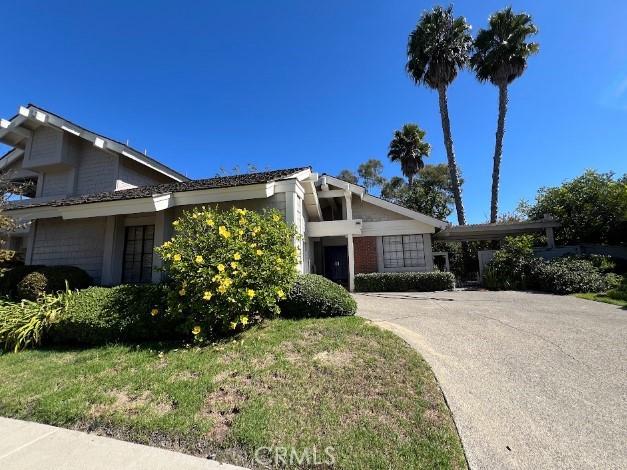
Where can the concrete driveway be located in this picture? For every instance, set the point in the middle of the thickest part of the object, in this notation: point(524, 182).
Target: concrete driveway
point(533, 380)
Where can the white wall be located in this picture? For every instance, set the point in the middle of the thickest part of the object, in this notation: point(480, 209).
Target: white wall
point(371, 213)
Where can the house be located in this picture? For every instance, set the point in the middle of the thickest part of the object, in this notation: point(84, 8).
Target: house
point(102, 206)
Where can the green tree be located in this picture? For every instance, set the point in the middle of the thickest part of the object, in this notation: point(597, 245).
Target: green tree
point(348, 176)
point(370, 173)
point(437, 49)
point(592, 208)
point(409, 148)
point(430, 194)
point(500, 56)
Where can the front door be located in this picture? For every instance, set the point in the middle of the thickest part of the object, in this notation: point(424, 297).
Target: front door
point(336, 263)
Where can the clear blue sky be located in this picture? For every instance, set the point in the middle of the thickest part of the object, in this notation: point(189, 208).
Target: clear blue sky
point(290, 83)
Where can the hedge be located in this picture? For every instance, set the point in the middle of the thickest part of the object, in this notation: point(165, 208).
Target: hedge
point(403, 282)
point(126, 313)
point(316, 296)
point(29, 282)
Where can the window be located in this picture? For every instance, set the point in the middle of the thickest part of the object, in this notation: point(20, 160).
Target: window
point(138, 247)
point(403, 251)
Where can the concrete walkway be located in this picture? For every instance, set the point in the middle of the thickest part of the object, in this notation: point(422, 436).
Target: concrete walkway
point(534, 381)
point(32, 446)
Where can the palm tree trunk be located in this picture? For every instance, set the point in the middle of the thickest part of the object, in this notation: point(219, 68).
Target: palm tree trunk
point(450, 154)
point(411, 180)
point(498, 152)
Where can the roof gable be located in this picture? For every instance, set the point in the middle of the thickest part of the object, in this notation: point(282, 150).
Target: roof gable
point(15, 130)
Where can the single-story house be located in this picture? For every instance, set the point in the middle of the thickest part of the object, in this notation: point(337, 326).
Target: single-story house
point(102, 206)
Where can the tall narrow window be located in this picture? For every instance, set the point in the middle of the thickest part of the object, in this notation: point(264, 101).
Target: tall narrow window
point(138, 247)
point(403, 251)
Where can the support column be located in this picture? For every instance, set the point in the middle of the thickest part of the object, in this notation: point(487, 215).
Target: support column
point(550, 237)
point(351, 249)
point(108, 254)
point(163, 232)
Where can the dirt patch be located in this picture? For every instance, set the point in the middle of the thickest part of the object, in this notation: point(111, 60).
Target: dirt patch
point(162, 364)
point(221, 406)
point(127, 404)
point(337, 358)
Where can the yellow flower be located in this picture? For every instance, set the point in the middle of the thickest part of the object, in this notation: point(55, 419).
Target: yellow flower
point(237, 257)
point(276, 218)
point(257, 229)
point(250, 293)
point(241, 211)
point(199, 259)
point(233, 325)
point(207, 296)
point(233, 265)
point(253, 245)
point(279, 260)
point(167, 244)
point(195, 216)
point(177, 257)
point(241, 232)
point(244, 321)
point(154, 311)
point(227, 282)
point(280, 293)
point(222, 289)
point(242, 222)
point(259, 252)
point(196, 330)
point(224, 232)
point(184, 283)
point(220, 267)
point(182, 292)
point(210, 223)
point(175, 223)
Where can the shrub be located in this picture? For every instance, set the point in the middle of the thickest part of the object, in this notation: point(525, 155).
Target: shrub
point(24, 324)
point(403, 282)
point(126, 313)
point(619, 292)
point(10, 258)
point(514, 267)
point(228, 267)
point(29, 282)
point(317, 296)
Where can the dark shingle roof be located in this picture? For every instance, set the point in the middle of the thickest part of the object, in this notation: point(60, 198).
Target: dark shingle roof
point(149, 191)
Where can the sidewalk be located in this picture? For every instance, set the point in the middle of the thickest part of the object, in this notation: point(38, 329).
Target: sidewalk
point(32, 446)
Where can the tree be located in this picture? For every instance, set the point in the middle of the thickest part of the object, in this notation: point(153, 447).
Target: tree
point(12, 188)
point(592, 208)
point(409, 148)
point(437, 49)
point(348, 176)
point(431, 193)
point(500, 56)
point(370, 173)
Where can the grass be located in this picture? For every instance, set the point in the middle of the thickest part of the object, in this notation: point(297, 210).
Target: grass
point(338, 382)
point(602, 298)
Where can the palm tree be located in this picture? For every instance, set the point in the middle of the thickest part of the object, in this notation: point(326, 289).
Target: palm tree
point(500, 56)
point(437, 49)
point(409, 148)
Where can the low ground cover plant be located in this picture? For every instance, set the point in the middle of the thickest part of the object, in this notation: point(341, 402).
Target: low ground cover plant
point(404, 282)
point(316, 296)
point(228, 268)
point(515, 267)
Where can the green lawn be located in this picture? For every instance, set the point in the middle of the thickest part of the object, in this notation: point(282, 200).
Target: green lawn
point(330, 382)
point(602, 298)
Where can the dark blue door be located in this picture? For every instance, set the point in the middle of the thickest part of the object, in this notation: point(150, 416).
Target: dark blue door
point(336, 263)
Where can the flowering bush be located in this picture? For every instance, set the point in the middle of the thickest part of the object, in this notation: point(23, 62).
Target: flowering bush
point(228, 267)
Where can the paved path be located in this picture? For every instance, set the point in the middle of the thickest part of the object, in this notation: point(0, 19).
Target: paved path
point(534, 381)
point(32, 446)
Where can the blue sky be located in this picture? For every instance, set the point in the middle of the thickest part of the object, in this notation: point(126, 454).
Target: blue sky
point(288, 83)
